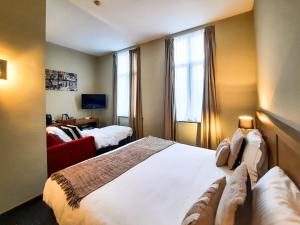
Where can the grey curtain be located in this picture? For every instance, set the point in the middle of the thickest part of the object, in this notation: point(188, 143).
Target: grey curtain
point(169, 98)
point(136, 111)
point(115, 63)
point(208, 135)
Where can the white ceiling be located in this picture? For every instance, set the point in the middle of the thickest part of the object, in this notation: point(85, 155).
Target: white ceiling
point(118, 24)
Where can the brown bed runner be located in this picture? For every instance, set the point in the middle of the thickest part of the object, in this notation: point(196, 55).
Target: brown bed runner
point(79, 180)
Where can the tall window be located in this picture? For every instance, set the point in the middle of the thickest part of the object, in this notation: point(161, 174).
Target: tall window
point(189, 74)
point(123, 84)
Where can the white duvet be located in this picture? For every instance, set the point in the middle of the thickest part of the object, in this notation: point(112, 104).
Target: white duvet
point(158, 191)
point(108, 136)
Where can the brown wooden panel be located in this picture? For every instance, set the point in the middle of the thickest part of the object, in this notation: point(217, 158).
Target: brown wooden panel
point(283, 144)
point(289, 161)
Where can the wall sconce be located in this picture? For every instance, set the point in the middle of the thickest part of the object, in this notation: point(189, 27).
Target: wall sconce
point(3, 69)
point(246, 122)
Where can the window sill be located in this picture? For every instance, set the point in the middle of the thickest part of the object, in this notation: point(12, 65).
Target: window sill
point(187, 122)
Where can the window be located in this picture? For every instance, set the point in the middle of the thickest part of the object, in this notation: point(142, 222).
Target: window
point(189, 74)
point(123, 84)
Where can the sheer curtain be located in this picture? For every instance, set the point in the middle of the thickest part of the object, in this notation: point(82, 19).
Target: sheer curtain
point(123, 84)
point(189, 75)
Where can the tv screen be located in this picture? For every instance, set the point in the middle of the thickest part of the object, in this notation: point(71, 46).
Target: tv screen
point(93, 101)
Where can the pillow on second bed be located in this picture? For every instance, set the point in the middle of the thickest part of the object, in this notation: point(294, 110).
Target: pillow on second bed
point(59, 133)
point(76, 131)
point(69, 132)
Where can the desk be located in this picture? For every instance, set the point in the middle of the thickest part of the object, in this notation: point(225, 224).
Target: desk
point(93, 122)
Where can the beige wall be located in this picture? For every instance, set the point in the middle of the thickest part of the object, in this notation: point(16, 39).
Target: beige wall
point(278, 53)
point(236, 70)
point(68, 60)
point(235, 78)
point(23, 163)
point(152, 70)
point(186, 133)
point(104, 84)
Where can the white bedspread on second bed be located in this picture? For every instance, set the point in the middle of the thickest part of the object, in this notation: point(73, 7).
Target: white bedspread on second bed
point(158, 191)
point(108, 136)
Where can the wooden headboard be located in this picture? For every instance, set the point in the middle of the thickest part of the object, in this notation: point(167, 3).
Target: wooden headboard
point(283, 144)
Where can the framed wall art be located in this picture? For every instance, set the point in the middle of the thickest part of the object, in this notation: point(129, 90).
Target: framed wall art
point(61, 81)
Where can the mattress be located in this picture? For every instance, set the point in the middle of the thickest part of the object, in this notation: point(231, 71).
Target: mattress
point(108, 136)
point(159, 191)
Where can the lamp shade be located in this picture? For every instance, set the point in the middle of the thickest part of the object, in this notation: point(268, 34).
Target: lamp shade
point(246, 122)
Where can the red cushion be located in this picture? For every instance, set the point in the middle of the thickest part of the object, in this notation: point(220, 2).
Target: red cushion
point(69, 153)
point(58, 138)
point(53, 139)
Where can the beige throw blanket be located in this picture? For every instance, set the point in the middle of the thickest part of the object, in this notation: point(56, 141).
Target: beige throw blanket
point(81, 179)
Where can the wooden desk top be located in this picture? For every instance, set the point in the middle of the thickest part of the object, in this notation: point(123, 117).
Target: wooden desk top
point(55, 125)
point(86, 121)
point(78, 122)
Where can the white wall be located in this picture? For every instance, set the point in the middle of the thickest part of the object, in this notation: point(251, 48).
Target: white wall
point(23, 166)
point(278, 52)
point(236, 70)
point(68, 60)
point(152, 70)
point(104, 83)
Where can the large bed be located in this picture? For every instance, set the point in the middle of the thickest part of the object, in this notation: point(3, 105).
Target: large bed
point(161, 189)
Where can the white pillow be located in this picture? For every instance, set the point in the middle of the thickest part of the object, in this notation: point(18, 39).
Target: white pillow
point(235, 204)
point(255, 155)
point(235, 148)
point(59, 133)
point(276, 200)
point(222, 153)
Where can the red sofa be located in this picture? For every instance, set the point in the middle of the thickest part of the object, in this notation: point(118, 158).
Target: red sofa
point(62, 155)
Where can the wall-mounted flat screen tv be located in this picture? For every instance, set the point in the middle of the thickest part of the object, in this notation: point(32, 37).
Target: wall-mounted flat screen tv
point(93, 101)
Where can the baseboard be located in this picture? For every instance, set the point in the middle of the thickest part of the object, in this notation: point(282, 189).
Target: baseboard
point(37, 198)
